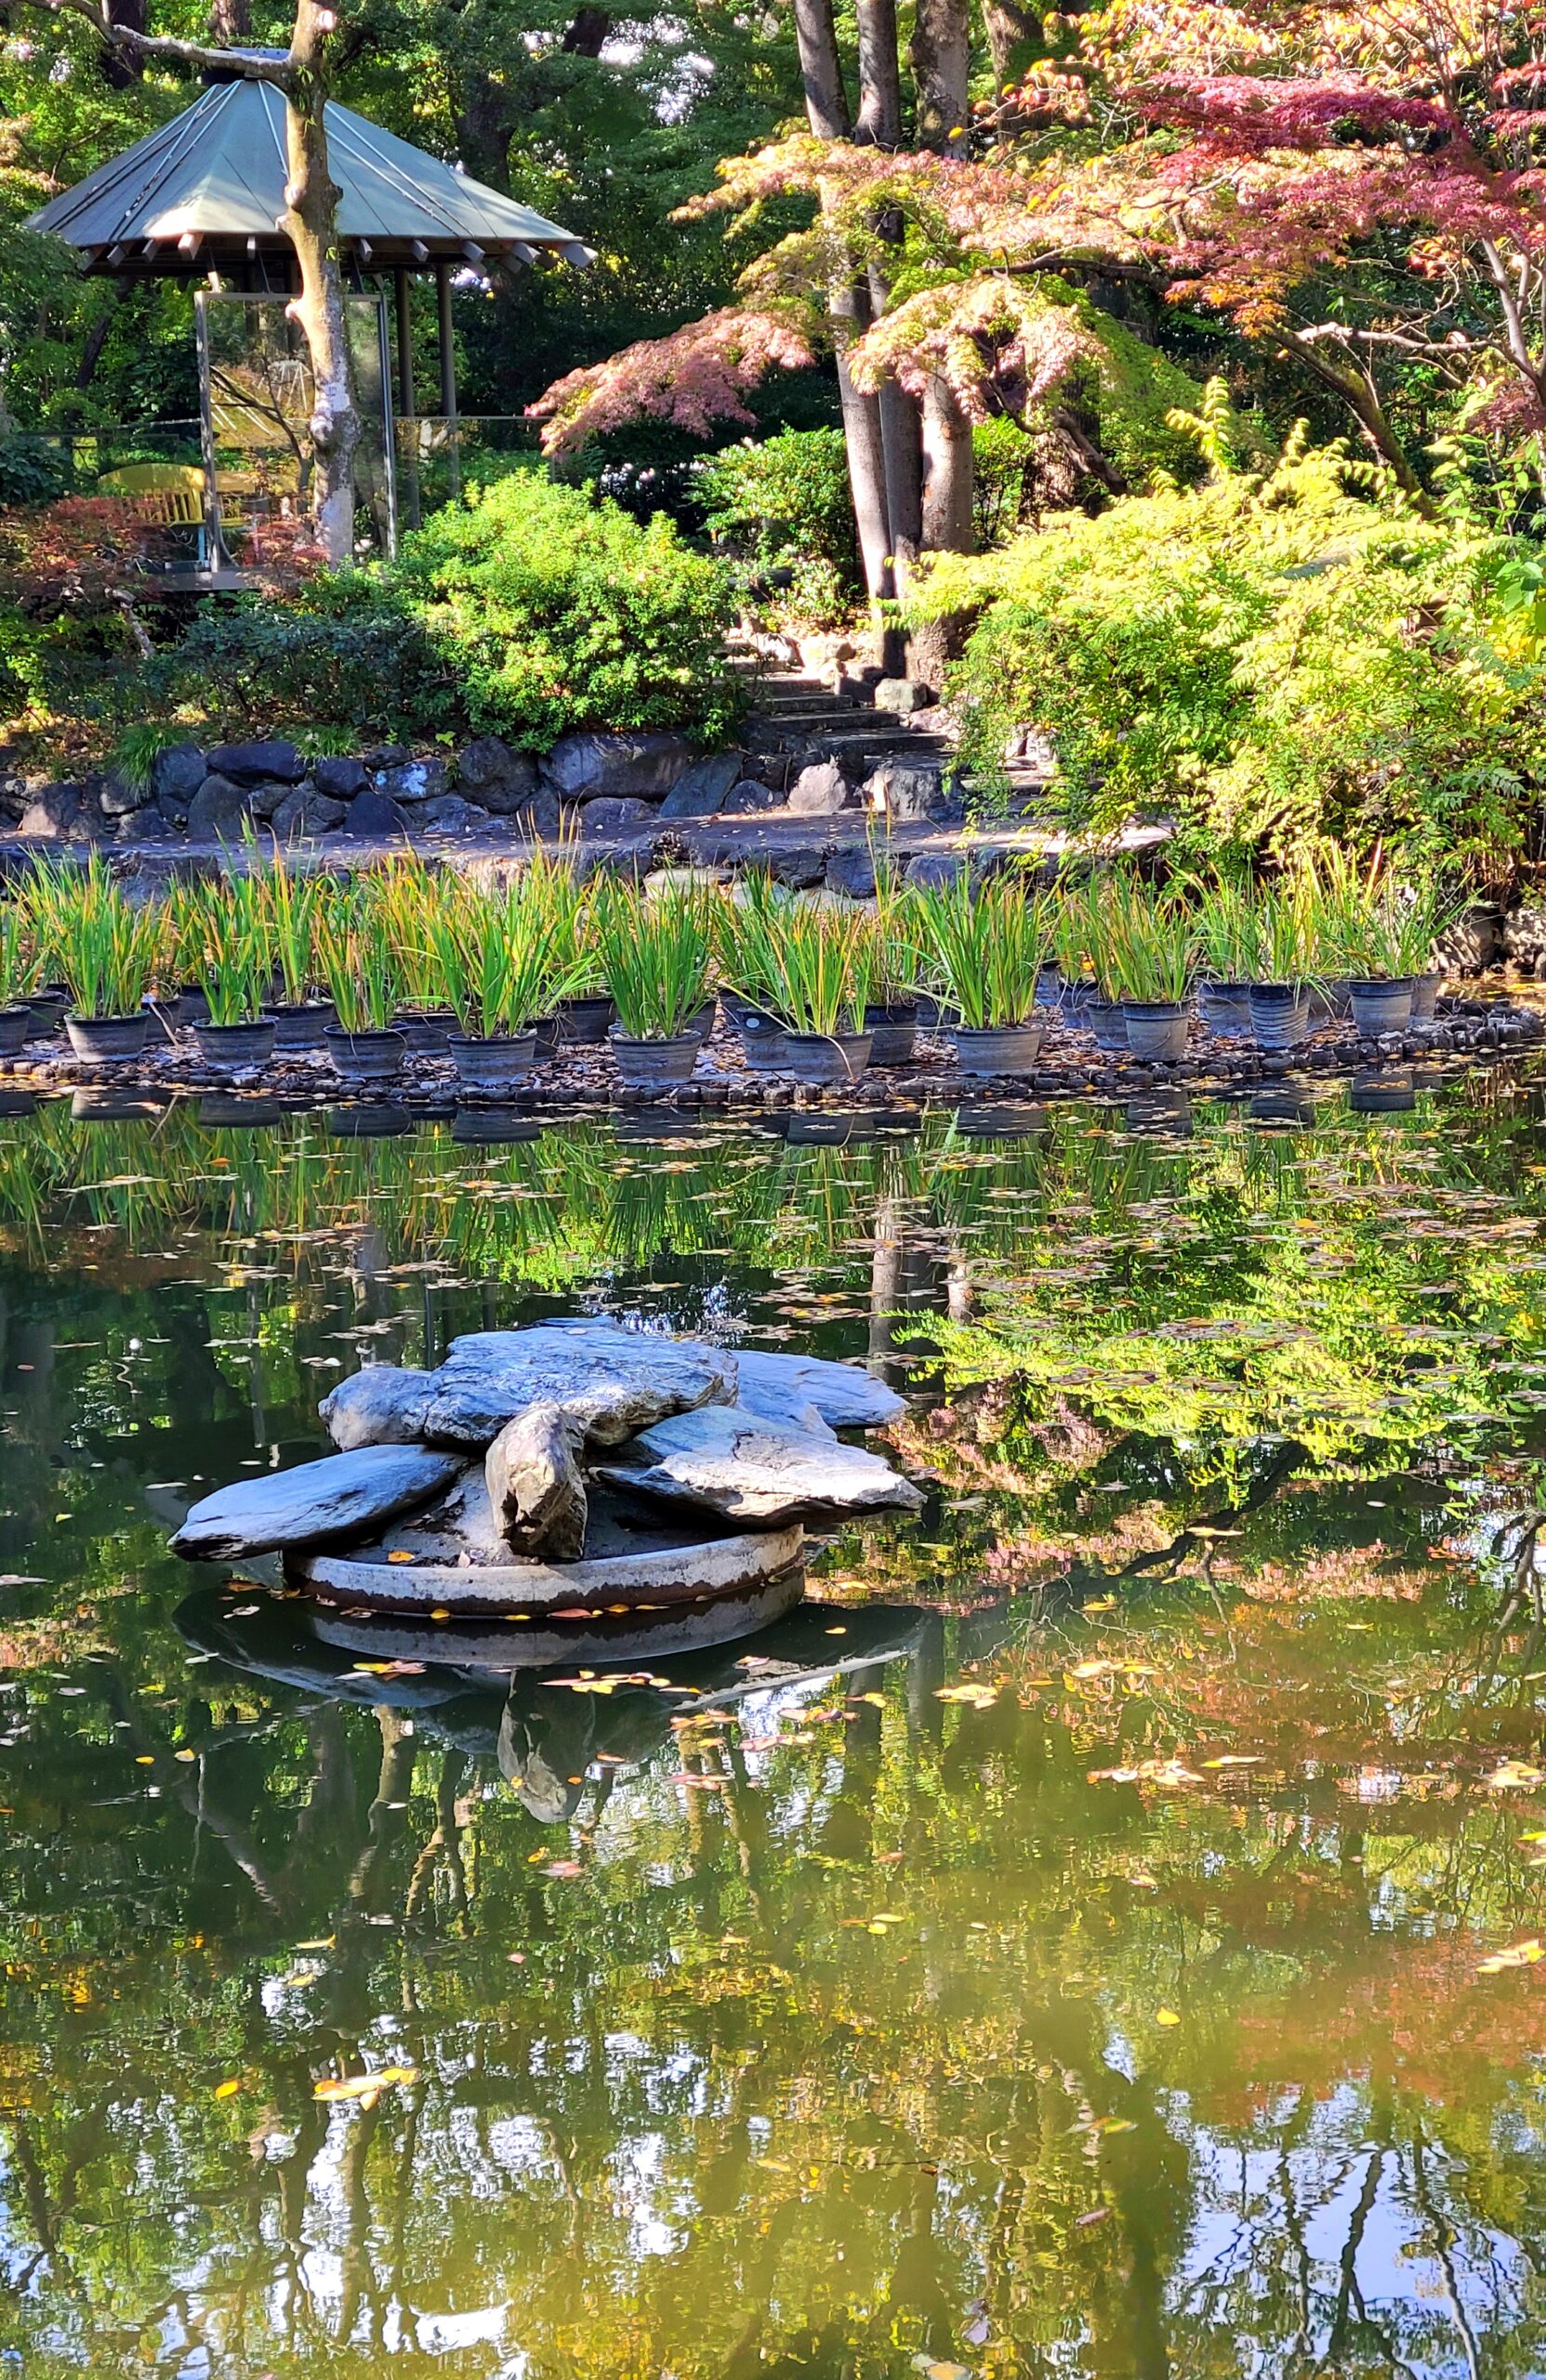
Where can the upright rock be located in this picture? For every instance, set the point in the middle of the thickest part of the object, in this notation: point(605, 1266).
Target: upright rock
point(536, 1485)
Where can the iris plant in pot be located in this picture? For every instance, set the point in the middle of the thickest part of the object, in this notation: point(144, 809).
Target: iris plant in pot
point(1393, 940)
point(655, 957)
point(1290, 952)
point(987, 941)
point(108, 953)
point(821, 968)
point(1224, 929)
point(891, 1018)
point(296, 903)
point(19, 970)
point(498, 967)
point(1148, 956)
point(361, 973)
point(233, 966)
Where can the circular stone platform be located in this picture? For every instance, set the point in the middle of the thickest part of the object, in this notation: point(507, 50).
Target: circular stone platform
point(662, 1581)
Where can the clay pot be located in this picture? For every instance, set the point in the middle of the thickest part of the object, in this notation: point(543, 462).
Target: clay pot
point(655, 1066)
point(996, 1048)
point(1279, 1014)
point(491, 1067)
point(302, 1028)
point(109, 1040)
point(821, 1060)
point(1155, 1028)
point(249, 1044)
point(1225, 1009)
point(366, 1057)
point(1381, 1004)
point(894, 1033)
point(589, 1018)
point(16, 1029)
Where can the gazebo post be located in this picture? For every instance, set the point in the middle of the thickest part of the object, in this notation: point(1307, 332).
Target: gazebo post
point(406, 403)
point(448, 369)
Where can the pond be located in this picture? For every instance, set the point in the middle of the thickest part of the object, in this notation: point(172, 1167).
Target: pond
point(1096, 1934)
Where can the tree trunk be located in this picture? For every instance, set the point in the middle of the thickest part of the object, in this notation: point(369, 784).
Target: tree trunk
point(311, 196)
point(121, 64)
point(878, 124)
point(1014, 37)
point(827, 112)
point(941, 55)
point(230, 23)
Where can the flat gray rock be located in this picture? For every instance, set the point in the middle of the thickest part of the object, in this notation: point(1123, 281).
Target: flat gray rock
point(724, 1459)
point(318, 1504)
point(383, 1405)
point(780, 1401)
point(611, 1381)
point(842, 1395)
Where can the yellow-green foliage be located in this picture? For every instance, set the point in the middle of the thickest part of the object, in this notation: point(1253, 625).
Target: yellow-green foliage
point(1270, 657)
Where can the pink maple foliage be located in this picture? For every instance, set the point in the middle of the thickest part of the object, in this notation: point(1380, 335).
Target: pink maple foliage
point(692, 377)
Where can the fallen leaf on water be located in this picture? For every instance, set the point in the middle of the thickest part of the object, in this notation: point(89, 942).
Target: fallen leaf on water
point(1520, 1954)
point(1096, 2214)
point(1165, 2016)
point(227, 2089)
point(1511, 1774)
point(562, 1868)
point(366, 2088)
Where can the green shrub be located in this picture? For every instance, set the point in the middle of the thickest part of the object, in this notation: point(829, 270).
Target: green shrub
point(525, 611)
point(1270, 658)
point(784, 504)
point(542, 611)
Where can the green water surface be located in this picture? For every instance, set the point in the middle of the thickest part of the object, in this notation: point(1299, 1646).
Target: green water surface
point(1097, 1935)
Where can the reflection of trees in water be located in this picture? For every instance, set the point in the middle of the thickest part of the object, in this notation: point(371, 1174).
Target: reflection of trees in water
point(707, 2073)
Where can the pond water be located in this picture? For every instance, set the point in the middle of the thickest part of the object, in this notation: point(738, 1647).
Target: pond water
point(1095, 1935)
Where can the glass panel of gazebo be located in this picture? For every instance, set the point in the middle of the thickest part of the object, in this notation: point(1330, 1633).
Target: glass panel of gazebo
point(255, 382)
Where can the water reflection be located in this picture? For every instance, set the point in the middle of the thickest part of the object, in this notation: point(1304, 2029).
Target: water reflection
point(1096, 1934)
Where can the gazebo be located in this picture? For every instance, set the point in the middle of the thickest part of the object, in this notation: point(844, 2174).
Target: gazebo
point(203, 198)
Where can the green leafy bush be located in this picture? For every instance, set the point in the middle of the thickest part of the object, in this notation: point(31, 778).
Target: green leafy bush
point(526, 611)
point(542, 611)
point(1275, 656)
point(784, 504)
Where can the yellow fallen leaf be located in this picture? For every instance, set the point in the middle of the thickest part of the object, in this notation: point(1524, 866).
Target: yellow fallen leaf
point(185, 1754)
point(229, 2089)
point(1165, 2016)
point(366, 2088)
point(1520, 1954)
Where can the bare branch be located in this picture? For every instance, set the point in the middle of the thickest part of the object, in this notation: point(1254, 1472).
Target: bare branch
point(254, 64)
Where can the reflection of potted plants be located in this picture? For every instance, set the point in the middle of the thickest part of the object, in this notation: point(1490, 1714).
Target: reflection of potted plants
point(107, 951)
point(1148, 960)
point(236, 967)
point(654, 962)
point(361, 977)
point(987, 943)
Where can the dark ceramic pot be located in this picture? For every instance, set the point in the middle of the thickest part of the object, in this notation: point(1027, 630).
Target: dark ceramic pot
point(821, 1060)
point(893, 1034)
point(1279, 1015)
point(587, 1019)
point(190, 1008)
point(490, 1069)
point(1425, 996)
point(655, 1066)
point(1225, 1009)
point(1381, 1004)
point(1156, 1029)
point(996, 1048)
point(302, 1028)
point(109, 1040)
point(16, 1030)
point(249, 1044)
point(1107, 1023)
point(427, 1032)
point(366, 1057)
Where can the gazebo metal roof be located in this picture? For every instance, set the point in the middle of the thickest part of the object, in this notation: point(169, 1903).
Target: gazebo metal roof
point(207, 191)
